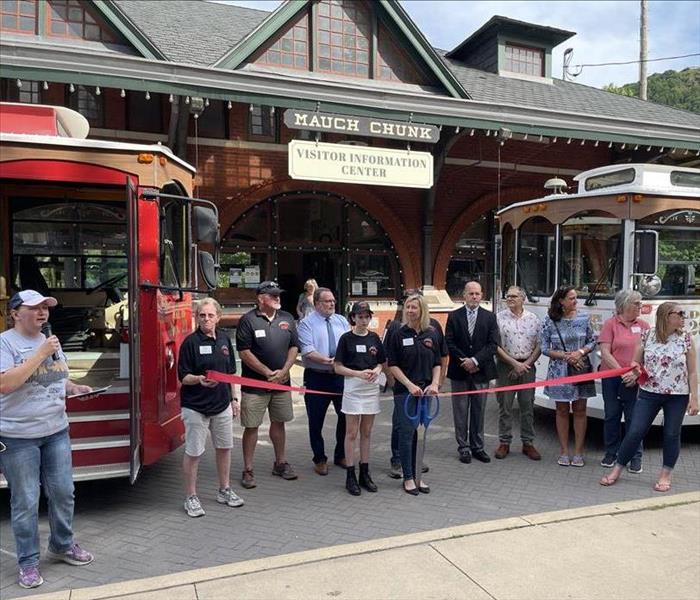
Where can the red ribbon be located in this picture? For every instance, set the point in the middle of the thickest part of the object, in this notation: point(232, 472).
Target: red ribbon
point(571, 379)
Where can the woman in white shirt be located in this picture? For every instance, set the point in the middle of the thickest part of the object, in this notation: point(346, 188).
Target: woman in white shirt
point(668, 355)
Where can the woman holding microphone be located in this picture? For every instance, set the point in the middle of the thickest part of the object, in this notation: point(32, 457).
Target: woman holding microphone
point(34, 434)
point(414, 360)
point(360, 358)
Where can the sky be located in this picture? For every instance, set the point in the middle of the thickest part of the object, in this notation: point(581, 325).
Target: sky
point(606, 31)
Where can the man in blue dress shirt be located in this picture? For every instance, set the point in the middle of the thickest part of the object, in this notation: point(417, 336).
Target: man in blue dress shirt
point(318, 338)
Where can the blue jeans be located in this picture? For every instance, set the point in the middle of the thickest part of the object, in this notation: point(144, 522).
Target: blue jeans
point(316, 409)
point(406, 435)
point(648, 406)
point(618, 399)
point(26, 463)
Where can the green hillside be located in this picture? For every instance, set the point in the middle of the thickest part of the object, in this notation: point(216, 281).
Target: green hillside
point(679, 89)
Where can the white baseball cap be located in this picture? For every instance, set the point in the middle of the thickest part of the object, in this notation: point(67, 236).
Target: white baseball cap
point(30, 298)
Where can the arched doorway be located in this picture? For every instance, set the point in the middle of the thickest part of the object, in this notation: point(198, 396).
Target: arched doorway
point(298, 235)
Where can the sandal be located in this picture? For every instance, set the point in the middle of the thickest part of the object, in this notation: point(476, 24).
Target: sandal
point(607, 481)
point(564, 461)
point(662, 486)
point(577, 461)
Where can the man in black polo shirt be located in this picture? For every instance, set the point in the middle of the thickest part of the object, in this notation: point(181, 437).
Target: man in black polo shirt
point(207, 405)
point(266, 339)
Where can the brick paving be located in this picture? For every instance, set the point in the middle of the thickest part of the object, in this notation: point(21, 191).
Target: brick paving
point(142, 530)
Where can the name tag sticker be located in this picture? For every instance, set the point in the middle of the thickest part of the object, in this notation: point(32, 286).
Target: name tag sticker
point(407, 341)
point(260, 333)
point(205, 349)
point(636, 329)
point(360, 348)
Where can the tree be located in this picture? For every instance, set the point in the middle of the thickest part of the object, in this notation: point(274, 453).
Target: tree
point(679, 89)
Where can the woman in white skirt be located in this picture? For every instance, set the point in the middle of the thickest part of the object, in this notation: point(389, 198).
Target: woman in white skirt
point(360, 358)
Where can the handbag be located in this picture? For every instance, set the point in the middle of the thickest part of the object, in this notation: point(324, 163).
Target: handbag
point(581, 366)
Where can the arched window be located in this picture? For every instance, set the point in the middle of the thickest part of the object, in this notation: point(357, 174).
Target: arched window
point(301, 235)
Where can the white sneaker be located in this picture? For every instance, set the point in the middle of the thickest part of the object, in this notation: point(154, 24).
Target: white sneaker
point(228, 496)
point(193, 507)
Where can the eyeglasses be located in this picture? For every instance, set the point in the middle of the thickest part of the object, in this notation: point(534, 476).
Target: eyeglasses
point(508, 296)
point(205, 316)
point(328, 301)
point(680, 313)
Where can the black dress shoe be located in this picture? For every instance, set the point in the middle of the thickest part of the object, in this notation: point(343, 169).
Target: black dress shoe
point(465, 458)
point(413, 492)
point(482, 456)
point(424, 489)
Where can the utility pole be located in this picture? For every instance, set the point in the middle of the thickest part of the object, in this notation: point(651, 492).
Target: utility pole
point(643, 50)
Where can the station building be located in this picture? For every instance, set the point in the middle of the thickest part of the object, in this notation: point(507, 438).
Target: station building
point(337, 142)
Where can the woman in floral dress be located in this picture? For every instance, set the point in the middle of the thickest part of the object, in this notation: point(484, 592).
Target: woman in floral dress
point(567, 336)
point(671, 384)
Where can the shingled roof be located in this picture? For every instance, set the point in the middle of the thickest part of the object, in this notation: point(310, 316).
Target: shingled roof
point(192, 31)
point(200, 32)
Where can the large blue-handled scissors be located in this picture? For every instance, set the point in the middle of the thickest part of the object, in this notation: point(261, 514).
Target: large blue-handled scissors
point(421, 419)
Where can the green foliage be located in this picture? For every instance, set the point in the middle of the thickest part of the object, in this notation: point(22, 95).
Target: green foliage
point(678, 89)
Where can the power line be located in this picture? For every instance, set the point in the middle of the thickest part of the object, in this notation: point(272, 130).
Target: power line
point(632, 62)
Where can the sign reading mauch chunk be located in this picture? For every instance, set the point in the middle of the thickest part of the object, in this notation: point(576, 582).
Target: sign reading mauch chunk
point(364, 126)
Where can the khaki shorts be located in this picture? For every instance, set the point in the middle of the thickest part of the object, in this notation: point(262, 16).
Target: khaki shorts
point(253, 407)
point(198, 425)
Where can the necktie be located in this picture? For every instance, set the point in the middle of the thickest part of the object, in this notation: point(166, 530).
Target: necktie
point(471, 321)
point(331, 338)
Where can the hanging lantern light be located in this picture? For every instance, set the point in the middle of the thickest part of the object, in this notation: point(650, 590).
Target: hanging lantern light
point(148, 95)
point(71, 88)
point(98, 91)
point(123, 93)
point(46, 85)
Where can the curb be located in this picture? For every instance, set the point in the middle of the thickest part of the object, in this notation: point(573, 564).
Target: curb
point(163, 582)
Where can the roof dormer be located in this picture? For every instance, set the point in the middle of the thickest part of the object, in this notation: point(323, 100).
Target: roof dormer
point(511, 48)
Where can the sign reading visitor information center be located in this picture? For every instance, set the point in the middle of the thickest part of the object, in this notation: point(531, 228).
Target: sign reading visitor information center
point(358, 164)
point(366, 126)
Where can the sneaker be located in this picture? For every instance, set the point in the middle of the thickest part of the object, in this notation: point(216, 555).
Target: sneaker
point(193, 507)
point(248, 479)
point(635, 465)
point(229, 497)
point(29, 577)
point(608, 461)
point(396, 471)
point(75, 556)
point(284, 470)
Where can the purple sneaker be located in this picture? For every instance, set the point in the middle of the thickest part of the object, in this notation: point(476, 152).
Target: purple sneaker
point(29, 577)
point(75, 555)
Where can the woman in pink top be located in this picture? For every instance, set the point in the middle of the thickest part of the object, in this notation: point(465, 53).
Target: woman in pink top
point(618, 341)
point(669, 359)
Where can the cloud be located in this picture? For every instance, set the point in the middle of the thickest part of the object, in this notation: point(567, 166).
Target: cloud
point(607, 31)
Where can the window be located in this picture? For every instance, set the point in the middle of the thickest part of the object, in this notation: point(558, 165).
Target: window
point(521, 59)
point(295, 236)
point(73, 245)
point(262, 121)
point(88, 103)
point(685, 179)
point(144, 115)
point(679, 250)
point(29, 93)
point(536, 250)
point(18, 16)
point(213, 122)
point(472, 258)
point(606, 180)
point(174, 250)
point(67, 18)
point(592, 253)
point(343, 41)
point(392, 62)
point(292, 49)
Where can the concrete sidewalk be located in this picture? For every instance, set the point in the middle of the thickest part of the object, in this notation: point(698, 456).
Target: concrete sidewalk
point(629, 550)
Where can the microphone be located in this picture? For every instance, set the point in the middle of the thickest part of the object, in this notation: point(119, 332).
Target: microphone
point(46, 330)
